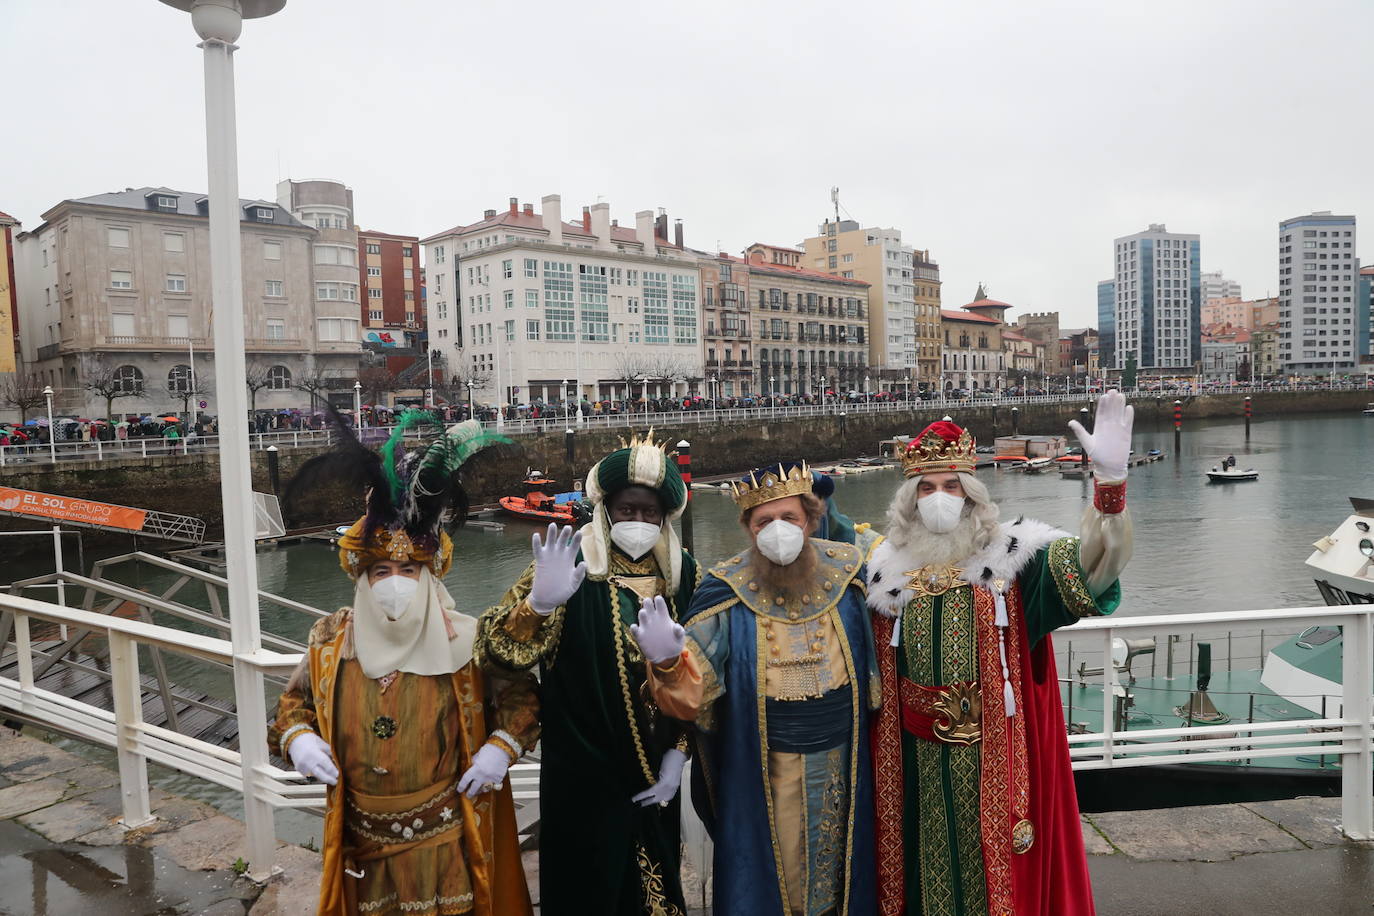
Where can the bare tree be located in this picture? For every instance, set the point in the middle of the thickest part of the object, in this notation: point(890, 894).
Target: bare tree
point(22, 392)
point(103, 379)
point(314, 383)
point(376, 382)
point(257, 377)
point(186, 386)
point(630, 368)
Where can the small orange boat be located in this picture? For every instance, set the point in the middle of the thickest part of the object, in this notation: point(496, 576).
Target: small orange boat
point(539, 505)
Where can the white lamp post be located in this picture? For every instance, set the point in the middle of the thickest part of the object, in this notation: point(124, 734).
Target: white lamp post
point(52, 432)
point(472, 415)
point(822, 382)
point(429, 377)
point(218, 23)
point(357, 404)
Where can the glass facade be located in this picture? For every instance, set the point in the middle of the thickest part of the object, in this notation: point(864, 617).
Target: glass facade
point(1106, 324)
point(596, 320)
point(559, 308)
point(1146, 317)
point(1195, 300)
point(655, 307)
point(684, 309)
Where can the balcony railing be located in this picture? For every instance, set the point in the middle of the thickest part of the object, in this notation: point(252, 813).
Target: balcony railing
point(273, 343)
point(145, 342)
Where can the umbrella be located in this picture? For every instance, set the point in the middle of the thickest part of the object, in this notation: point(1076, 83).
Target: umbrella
point(284, 413)
point(122, 423)
point(41, 421)
point(30, 422)
point(171, 419)
point(145, 419)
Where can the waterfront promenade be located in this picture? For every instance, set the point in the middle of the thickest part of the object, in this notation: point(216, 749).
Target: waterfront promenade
point(62, 850)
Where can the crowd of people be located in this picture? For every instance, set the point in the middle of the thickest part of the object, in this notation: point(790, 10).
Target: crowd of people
point(875, 718)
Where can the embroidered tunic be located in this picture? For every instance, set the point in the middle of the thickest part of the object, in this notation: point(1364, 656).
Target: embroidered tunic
point(975, 808)
point(603, 741)
point(782, 689)
point(395, 816)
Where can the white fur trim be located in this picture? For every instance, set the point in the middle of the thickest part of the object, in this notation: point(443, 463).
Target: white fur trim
point(1016, 544)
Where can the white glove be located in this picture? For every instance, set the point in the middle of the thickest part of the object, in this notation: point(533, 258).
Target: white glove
point(660, 639)
point(311, 757)
point(488, 770)
point(1109, 444)
point(669, 780)
point(555, 577)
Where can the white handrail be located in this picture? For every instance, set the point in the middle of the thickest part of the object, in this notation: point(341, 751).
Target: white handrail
point(1348, 735)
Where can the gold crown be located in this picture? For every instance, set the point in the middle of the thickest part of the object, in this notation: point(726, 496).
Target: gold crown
point(771, 484)
point(647, 441)
point(932, 454)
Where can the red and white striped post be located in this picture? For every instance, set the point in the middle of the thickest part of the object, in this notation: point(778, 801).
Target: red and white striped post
point(684, 466)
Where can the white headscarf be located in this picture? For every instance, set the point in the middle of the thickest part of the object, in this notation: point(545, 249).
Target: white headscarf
point(429, 638)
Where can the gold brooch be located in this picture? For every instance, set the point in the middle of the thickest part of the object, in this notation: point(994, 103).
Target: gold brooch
point(933, 580)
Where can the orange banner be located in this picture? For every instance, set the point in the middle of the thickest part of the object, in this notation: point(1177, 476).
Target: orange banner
point(66, 508)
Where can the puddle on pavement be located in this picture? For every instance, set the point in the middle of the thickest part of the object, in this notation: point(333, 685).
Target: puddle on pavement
point(40, 878)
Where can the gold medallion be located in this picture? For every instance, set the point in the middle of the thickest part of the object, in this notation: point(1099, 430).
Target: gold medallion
point(933, 580)
point(1022, 836)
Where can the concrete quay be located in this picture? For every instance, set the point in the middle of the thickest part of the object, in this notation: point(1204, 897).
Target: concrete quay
point(62, 850)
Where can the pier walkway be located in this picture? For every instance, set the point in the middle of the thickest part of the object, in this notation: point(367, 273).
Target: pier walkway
point(63, 851)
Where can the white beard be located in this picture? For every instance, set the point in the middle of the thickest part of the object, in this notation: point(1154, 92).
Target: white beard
point(926, 547)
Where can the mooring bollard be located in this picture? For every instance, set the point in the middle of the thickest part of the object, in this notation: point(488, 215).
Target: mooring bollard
point(273, 472)
point(569, 444)
point(1016, 421)
point(684, 466)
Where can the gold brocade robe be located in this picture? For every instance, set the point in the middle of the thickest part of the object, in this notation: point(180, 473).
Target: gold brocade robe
point(330, 694)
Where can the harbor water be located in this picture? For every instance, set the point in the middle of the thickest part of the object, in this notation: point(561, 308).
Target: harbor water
point(1199, 546)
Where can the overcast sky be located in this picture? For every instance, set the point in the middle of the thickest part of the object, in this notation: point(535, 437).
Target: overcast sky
point(1014, 140)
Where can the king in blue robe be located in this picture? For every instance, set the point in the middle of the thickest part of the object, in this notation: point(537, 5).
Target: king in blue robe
point(779, 675)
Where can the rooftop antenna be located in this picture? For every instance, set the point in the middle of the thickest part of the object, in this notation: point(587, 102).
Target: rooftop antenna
point(835, 199)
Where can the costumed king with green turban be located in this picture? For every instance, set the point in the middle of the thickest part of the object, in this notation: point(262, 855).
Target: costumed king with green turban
point(612, 762)
point(389, 710)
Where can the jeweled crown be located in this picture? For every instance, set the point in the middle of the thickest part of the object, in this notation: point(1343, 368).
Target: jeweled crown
point(768, 484)
point(933, 453)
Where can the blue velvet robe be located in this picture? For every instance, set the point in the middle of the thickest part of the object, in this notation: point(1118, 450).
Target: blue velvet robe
point(730, 784)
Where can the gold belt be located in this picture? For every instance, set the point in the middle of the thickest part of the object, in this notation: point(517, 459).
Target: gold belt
point(952, 713)
point(436, 811)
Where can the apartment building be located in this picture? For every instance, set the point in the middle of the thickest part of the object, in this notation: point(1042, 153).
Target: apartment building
point(119, 284)
point(974, 355)
point(523, 305)
point(389, 275)
point(1158, 288)
point(903, 337)
point(1106, 324)
point(728, 345)
point(9, 296)
point(1322, 323)
point(1216, 286)
point(812, 325)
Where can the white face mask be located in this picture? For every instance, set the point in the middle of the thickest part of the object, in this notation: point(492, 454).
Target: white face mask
point(393, 594)
point(941, 511)
point(780, 541)
point(635, 539)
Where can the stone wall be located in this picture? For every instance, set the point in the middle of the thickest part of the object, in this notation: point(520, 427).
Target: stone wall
point(190, 485)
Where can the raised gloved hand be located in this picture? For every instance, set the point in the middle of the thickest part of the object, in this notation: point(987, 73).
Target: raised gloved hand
point(311, 757)
point(1109, 444)
point(488, 770)
point(659, 637)
point(669, 780)
point(556, 578)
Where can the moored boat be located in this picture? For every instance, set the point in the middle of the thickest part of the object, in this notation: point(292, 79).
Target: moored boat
point(542, 506)
point(1231, 475)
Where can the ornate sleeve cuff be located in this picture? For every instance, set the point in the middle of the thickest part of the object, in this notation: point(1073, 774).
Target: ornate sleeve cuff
point(523, 622)
point(506, 742)
point(291, 734)
point(1109, 498)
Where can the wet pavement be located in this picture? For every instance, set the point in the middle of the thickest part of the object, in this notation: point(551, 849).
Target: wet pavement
point(62, 850)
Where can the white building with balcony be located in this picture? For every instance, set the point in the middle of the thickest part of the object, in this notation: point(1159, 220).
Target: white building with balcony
point(526, 306)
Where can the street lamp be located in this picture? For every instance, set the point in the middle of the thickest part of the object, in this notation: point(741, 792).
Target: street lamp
point(470, 384)
point(52, 438)
point(219, 23)
point(822, 393)
point(357, 403)
point(429, 376)
point(772, 386)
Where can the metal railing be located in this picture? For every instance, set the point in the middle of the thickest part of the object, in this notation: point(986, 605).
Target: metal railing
point(1349, 735)
point(152, 447)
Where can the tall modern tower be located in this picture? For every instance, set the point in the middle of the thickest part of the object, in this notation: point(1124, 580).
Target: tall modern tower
point(1158, 289)
point(1106, 324)
point(1319, 318)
